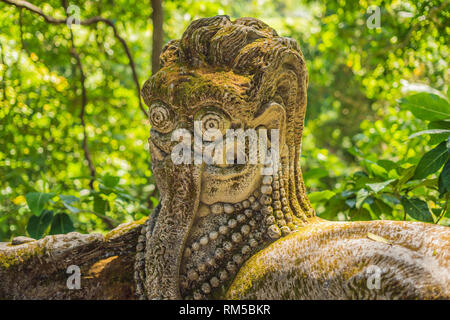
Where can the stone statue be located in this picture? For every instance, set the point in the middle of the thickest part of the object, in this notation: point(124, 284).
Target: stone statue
point(230, 230)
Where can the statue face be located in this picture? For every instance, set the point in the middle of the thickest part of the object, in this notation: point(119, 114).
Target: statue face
point(215, 212)
point(216, 101)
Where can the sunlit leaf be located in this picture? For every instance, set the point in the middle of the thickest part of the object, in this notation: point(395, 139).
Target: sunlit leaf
point(417, 209)
point(37, 200)
point(427, 106)
point(61, 224)
point(37, 225)
point(432, 161)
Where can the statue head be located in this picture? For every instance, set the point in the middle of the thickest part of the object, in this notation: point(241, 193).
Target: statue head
point(223, 77)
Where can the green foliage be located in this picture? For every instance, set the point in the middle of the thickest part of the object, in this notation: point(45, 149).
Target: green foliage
point(386, 188)
point(361, 153)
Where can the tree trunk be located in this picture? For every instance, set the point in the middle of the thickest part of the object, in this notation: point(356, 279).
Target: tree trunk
point(158, 33)
point(39, 269)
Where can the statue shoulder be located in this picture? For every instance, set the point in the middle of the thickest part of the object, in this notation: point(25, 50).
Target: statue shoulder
point(350, 260)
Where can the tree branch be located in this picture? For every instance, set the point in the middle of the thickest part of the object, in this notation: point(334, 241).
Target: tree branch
point(93, 20)
point(158, 33)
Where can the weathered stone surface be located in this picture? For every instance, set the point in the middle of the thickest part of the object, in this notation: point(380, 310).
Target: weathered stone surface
point(232, 231)
point(37, 270)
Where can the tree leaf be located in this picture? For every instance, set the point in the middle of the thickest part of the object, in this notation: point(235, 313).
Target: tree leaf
point(438, 138)
point(361, 196)
point(427, 106)
point(431, 131)
point(99, 204)
point(37, 225)
point(37, 200)
point(417, 209)
point(379, 207)
point(61, 224)
point(378, 238)
point(432, 161)
point(444, 179)
point(320, 196)
point(67, 202)
point(377, 187)
point(110, 181)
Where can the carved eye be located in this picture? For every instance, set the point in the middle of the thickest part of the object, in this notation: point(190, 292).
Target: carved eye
point(212, 119)
point(161, 118)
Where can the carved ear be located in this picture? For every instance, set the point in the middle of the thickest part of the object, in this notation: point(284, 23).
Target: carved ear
point(272, 116)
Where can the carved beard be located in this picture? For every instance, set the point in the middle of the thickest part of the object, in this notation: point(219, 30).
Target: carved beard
point(193, 257)
point(167, 231)
point(221, 241)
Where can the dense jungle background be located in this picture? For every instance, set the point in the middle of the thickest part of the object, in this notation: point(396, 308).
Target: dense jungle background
point(73, 129)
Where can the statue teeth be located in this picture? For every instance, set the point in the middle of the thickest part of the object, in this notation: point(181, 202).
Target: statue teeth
point(245, 229)
point(214, 282)
point(267, 180)
point(140, 256)
point(252, 199)
point(284, 201)
point(253, 243)
point(245, 250)
point(192, 275)
point(255, 205)
point(276, 205)
point(203, 210)
point(245, 203)
point(197, 295)
point(276, 185)
point(223, 275)
point(228, 208)
point(227, 246)
point(270, 220)
point(236, 237)
point(195, 246)
point(282, 192)
point(187, 252)
point(265, 199)
point(211, 262)
point(274, 232)
point(267, 210)
point(204, 240)
point(238, 206)
point(232, 223)
point(217, 208)
point(276, 195)
point(256, 193)
point(206, 288)
point(281, 222)
point(223, 230)
point(237, 258)
point(279, 214)
point(286, 230)
point(201, 267)
point(231, 266)
point(240, 218)
point(248, 213)
point(213, 235)
point(266, 189)
point(219, 254)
